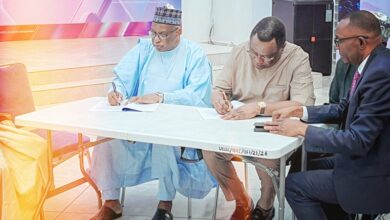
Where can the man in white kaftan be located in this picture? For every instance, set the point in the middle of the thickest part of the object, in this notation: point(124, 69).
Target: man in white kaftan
point(168, 69)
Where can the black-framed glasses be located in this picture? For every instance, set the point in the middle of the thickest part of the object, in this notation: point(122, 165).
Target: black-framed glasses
point(266, 59)
point(161, 36)
point(338, 41)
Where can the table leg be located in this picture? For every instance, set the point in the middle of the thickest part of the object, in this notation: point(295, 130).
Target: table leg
point(282, 185)
point(279, 181)
point(85, 173)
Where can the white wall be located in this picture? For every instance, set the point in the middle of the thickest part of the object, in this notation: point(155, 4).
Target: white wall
point(196, 19)
point(233, 19)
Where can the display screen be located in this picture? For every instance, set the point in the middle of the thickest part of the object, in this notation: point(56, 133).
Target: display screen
point(347, 6)
point(382, 10)
point(382, 6)
point(61, 19)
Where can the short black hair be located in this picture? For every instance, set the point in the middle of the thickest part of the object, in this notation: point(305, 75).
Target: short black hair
point(365, 21)
point(269, 28)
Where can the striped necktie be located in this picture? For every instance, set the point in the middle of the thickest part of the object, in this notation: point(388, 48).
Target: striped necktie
point(355, 79)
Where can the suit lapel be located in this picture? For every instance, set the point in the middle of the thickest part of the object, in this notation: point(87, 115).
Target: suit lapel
point(354, 102)
point(372, 56)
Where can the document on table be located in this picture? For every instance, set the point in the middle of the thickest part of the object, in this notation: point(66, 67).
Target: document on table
point(105, 106)
point(210, 113)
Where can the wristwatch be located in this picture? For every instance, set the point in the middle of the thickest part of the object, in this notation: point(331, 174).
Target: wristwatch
point(160, 97)
point(262, 106)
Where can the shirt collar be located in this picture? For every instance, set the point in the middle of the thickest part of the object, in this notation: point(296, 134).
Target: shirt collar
point(362, 65)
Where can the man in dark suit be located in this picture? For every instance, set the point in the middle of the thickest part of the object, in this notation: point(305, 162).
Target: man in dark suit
point(342, 80)
point(357, 177)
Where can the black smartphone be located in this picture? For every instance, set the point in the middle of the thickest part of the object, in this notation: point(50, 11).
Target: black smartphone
point(259, 124)
point(259, 127)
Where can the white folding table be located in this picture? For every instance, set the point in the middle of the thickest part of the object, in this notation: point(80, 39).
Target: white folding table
point(172, 125)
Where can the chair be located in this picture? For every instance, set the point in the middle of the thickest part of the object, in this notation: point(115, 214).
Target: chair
point(189, 200)
point(16, 99)
point(383, 216)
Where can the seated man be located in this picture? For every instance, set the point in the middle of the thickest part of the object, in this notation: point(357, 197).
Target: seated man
point(164, 69)
point(356, 178)
point(342, 80)
point(339, 89)
point(23, 169)
point(265, 73)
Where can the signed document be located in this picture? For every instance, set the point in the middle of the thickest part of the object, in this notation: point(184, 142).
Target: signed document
point(105, 106)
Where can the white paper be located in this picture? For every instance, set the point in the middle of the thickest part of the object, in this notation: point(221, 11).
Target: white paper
point(142, 107)
point(105, 106)
point(211, 113)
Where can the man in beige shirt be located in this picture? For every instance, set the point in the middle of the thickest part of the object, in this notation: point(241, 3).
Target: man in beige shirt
point(266, 73)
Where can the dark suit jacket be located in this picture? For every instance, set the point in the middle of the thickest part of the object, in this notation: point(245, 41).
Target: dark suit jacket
point(341, 82)
point(362, 146)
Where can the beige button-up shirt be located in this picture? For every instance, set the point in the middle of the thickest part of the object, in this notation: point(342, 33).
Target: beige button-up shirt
point(288, 79)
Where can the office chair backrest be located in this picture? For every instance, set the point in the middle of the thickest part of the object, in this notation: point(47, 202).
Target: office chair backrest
point(15, 91)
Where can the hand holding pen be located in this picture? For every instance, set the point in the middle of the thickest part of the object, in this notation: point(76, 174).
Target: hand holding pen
point(226, 102)
point(115, 97)
point(221, 102)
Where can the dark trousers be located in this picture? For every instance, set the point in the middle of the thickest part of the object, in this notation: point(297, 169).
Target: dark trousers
point(311, 194)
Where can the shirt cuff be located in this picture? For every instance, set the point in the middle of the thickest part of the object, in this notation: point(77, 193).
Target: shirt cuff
point(305, 115)
point(169, 97)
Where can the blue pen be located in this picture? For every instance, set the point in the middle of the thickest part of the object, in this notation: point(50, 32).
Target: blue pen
point(130, 110)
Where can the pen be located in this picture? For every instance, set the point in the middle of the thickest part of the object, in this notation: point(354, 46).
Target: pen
point(116, 92)
point(226, 99)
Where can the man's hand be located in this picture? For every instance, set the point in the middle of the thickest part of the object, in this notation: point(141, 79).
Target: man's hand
point(244, 112)
point(115, 98)
point(287, 127)
point(146, 99)
point(220, 102)
point(293, 111)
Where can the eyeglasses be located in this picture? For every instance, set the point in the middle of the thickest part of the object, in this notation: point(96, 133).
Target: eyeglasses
point(266, 59)
point(338, 41)
point(161, 36)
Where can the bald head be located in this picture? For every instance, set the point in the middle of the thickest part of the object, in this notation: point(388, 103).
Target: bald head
point(364, 21)
point(357, 35)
